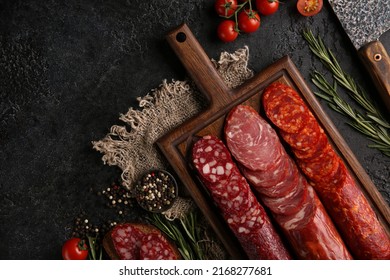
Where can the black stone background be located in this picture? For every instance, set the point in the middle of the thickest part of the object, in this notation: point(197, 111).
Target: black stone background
point(69, 68)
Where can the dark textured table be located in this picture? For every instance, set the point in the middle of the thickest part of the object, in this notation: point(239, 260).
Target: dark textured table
point(69, 68)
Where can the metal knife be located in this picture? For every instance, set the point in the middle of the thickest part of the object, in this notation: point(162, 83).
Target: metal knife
point(365, 21)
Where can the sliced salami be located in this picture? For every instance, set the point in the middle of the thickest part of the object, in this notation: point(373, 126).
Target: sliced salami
point(238, 205)
point(290, 203)
point(326, 171)
point(252, 144)
point(134, 241)
point(154, 246)
point(291, 200)
point(235, 199)
point(301, 218)
point(272, 176)
point(283, 187)
point(289, 118)
point(212, 160)
point(127, 241)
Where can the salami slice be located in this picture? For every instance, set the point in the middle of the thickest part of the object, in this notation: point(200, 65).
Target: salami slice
point(291, 200)
point(290, 203)
point(283, 187)
point(275, 174)
point(134, 241)
point(236, 200)
point(300, 219)
point(289, 118)
point(127, 241)
point(238, 205)
point(326, 171)
point(154, 246)
point(252, 143)
point(212, 160)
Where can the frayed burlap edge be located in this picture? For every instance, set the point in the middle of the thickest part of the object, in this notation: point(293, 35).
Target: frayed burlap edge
point(132, 147)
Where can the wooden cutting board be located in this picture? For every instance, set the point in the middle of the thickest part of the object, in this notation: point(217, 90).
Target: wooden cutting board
point(177, 144)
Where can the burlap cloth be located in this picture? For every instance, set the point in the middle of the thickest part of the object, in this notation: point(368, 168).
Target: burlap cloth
point(131, 146)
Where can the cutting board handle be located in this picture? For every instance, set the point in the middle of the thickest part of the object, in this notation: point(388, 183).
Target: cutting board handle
point(199, 66)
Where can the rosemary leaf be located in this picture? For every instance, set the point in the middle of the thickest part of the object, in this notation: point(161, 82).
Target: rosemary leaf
point(383, 126)
point(324, 96)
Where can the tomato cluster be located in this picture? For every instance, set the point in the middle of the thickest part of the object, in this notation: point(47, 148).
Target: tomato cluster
point(244, 16)
point(246, 19)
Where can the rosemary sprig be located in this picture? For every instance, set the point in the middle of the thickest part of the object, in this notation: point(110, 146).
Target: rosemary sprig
point(360, 122)
point(354, 90)
point(185, 233)
point(371, 123)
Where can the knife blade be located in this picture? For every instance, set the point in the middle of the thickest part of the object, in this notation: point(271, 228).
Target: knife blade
point(365, 21)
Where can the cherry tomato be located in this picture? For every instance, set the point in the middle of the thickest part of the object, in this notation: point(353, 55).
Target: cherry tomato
point(248, 21)
point(227, 31)
point(267, 7)
point(309, 7)
point(225, 8)
point(74, 249)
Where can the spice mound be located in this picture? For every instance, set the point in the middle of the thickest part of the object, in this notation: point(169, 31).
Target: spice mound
point(156, 191)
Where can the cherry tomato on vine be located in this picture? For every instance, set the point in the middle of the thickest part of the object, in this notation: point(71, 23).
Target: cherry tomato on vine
point(225, 8)
point(309, 7)
point(248, 21)
point(227, 31)
point(74, 249)
point(267, 7)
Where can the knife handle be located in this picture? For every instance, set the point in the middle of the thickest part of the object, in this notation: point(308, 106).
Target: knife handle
point(377, 62)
